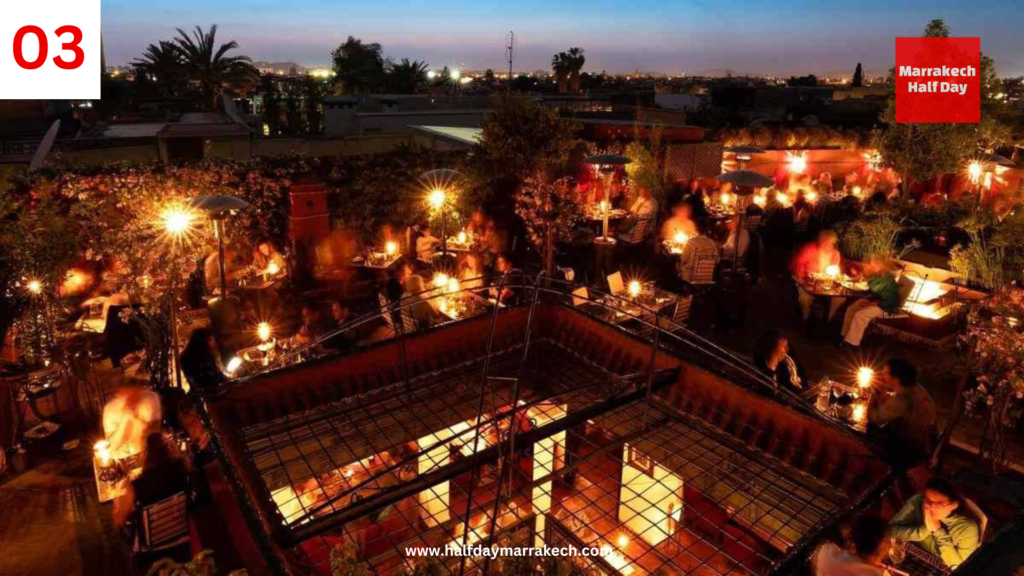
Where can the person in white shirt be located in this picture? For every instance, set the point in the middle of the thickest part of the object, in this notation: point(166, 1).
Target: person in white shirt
point(868, 547)
point(729, 249)
point(644, 206)
point(426, 244)
point(696, 247)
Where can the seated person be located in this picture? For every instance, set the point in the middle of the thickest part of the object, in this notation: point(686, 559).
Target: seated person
point(937, 521)
point(642, 213)
point(772, 356)
point(815, 258)
point(423, 314)
point(313, 325)
point(211, 270)
point(426, 244)
point(700, 245)
point(201, 362)
point(513, 278)
point(340, 318)
point(470, 271)
point(263, 256)
point(680, 221)
point(905, 411)
point(730, 248)
point(860, 314)
point(862, 556)
point(163, 475)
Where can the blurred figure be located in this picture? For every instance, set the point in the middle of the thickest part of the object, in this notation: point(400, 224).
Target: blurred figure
point(905, 411)
point(860, 314)
point(512, 277)
point(313, 325)
point(696, 247)
point(267, 260)
point(423, 314)
point(211, 270)
point(426, 244)
point(738, 241)
point(471, 270)
point(940, 521)
point(681, 220)
point(868, 548)
point(201, 361)
point(815, 258)
point(164, 474)
point(772, 356)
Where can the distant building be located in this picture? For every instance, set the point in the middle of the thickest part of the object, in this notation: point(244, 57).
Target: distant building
point(393, 114)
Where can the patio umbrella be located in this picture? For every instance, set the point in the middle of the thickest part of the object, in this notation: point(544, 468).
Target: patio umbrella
point(217, 207)
point(606, 164)
point(744, 150)
point(996, 159)
point(746, 179)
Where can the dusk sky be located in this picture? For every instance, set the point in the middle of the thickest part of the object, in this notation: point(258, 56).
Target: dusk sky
point(758, 36)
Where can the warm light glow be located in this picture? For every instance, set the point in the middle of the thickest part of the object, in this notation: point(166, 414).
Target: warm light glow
point(273, 268)
point(726, 199)
point(922, 299)
point(390, 248)
point(622, 541)
point(797, 163)
point(860, 412)
point(783, 198)
point(453, 285)
point(634, 288)
point(462, 237)
point(811, 196)
point(865, 376)
point(263, 331)
point(604, 206)
point(176, 220)
point(680, 237)
point(857, 191)
point(437, 198)
point(234, 364)
point(761, 200)
point(974, 171)
point(832, 271)
point(456, 74)
point(441, 280)
point(34, 286)
point(102, 451)
point(431, 74)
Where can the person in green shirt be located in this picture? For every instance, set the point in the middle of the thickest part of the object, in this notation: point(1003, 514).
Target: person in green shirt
point(937, 521)
point(861, 313)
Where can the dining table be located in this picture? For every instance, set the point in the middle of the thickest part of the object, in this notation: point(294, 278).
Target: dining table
point(621, 308)
point(842, 286)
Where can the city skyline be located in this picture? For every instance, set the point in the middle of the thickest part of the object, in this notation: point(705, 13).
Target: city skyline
point(674, 37)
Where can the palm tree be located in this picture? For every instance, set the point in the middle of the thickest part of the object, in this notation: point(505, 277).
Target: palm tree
point(576, 60)
point(405, 76)
point(160, 63)
point(561, 66)
point(211, 68)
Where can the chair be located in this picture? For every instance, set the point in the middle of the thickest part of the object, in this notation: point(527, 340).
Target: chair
point(974, 510)
point(163, 525)
point(702, 272)
point(639, 232)
point(679, 316)
point(753, 222)
point(580, 296)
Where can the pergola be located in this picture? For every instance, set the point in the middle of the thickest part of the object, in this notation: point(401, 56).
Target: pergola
point(539, 425)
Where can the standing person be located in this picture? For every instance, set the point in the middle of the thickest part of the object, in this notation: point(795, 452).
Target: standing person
point(860, 314)
point(938, 521)
point(737, 234)
point(905, 411)
point(509, 295)
point(868, 547)
point(815, 258)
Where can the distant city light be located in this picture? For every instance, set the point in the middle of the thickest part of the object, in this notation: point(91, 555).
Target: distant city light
point(456, 74)
point(431, 74)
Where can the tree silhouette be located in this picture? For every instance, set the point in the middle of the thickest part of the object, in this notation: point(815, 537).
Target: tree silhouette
point(407, 75)
point(576, 62)
point(209, 66)
point(562, 67)
point(359, 67)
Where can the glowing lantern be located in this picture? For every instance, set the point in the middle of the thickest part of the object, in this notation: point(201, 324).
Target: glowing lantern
point(832, 271)
point(263, 331)
point(634, 288)
point(390, 248)
point(974, 171)
point(797, 164)
point(860, 411)
point(864, 376)
point(441, 280)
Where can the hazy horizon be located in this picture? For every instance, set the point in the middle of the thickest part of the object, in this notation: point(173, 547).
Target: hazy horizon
point(799, 37)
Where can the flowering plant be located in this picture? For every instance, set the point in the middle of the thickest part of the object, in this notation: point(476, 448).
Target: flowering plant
point(994, 331)
point(548, 210)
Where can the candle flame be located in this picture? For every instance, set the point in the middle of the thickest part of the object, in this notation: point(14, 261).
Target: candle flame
point(263, 331)
point(832, 271)
point(441, 280)
point(864, 376)
point(634, 288)
point(390, 248)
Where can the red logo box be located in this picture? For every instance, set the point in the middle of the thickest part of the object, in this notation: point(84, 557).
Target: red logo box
point(938, 80)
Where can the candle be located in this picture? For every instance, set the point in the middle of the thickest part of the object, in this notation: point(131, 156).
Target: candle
point(102, 451)
point(441, 280)
point(273, 268)
point(726, 198)
point(390, 248)
point(832, 271)
point(864, 376)
point(680, 237)
point(634, 288)
point(462, 237)
point(263, 331)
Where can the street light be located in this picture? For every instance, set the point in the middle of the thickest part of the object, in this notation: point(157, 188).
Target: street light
point(440, 183)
